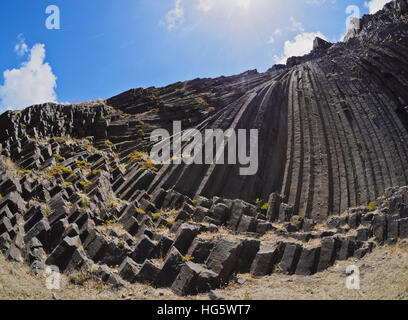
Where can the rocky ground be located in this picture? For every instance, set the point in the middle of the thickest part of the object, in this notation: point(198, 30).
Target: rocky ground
point(383, 276)
point(79, 192)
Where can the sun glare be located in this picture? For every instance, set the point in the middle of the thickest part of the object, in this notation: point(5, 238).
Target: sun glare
point(243, 3)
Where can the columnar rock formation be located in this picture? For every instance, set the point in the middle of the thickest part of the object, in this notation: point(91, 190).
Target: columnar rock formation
point(333, 124)
point(77, 189)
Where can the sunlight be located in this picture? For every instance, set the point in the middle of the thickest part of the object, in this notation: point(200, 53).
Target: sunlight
point(243, 3)
point(237, 14)
point(234, 20)
point(208, 5)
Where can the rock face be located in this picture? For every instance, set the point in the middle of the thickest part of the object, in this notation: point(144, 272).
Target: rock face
point(77, 189)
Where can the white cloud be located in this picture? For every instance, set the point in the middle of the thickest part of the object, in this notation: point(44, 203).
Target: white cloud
point(296, 25)
point(375, 5)
point(271, 40)
point(175, 16)
point(277, 32)
point(21, 48)
point(302, 44)
point(205, 5)
point(33, 83)
point(208, 5)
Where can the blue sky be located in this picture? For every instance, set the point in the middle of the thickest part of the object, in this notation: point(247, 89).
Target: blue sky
point(105, 47)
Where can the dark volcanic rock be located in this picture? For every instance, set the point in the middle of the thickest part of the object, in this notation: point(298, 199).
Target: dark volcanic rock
point(77, 187)
point(290, 258)
point(266, 259)
point(223, 259)
point(194, 279)
point(62, 254)
point(171, 267)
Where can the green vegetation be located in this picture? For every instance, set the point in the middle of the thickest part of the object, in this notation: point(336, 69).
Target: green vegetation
point(157, 215)
point(265, 207)
point(188, 257)
point(148, 165)
point(140, 211)
point(86, 184)
point(58, 157)
point(84, 203)
point(96, 172)
point(141, 159)
point(372, 206)
point(57, 171)
point(136, 156)
point(47, 210)
point(111, 222)
point(81, 164)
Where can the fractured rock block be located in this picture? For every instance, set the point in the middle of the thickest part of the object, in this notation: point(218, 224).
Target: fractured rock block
point(148, 272)
point(109, 277)
point(40, 231)
point(112, 254)
point(194, 279)
point(132, 226)
point(143, 250)
point(308, 261)
point(78, 261)
point(13, 253)
point(380, 227)
point(285, 212)
point(274, 202)
point(200, 249)
point(346, 249)
point(290, 258)
point(392, 229)
point(162, 247)
point(363, 234)
point(129, 269)
point(200, 214)
point(5, 225)
point(14, 202)
point(34, 215)
point(4, 241)
point(223, 258)
point(185, 236)
point(246, 224)
point(5, 213)
point(403, 228)
point(171, 268)
point(56, 233)
point(328, 253)
point(354, 220)
point(249, 250)
point(62, 254)
point(220, 213)
point(237, 210)
point(266, 259)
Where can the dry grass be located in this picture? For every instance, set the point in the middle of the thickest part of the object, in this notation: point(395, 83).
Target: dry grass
point(384, 275)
